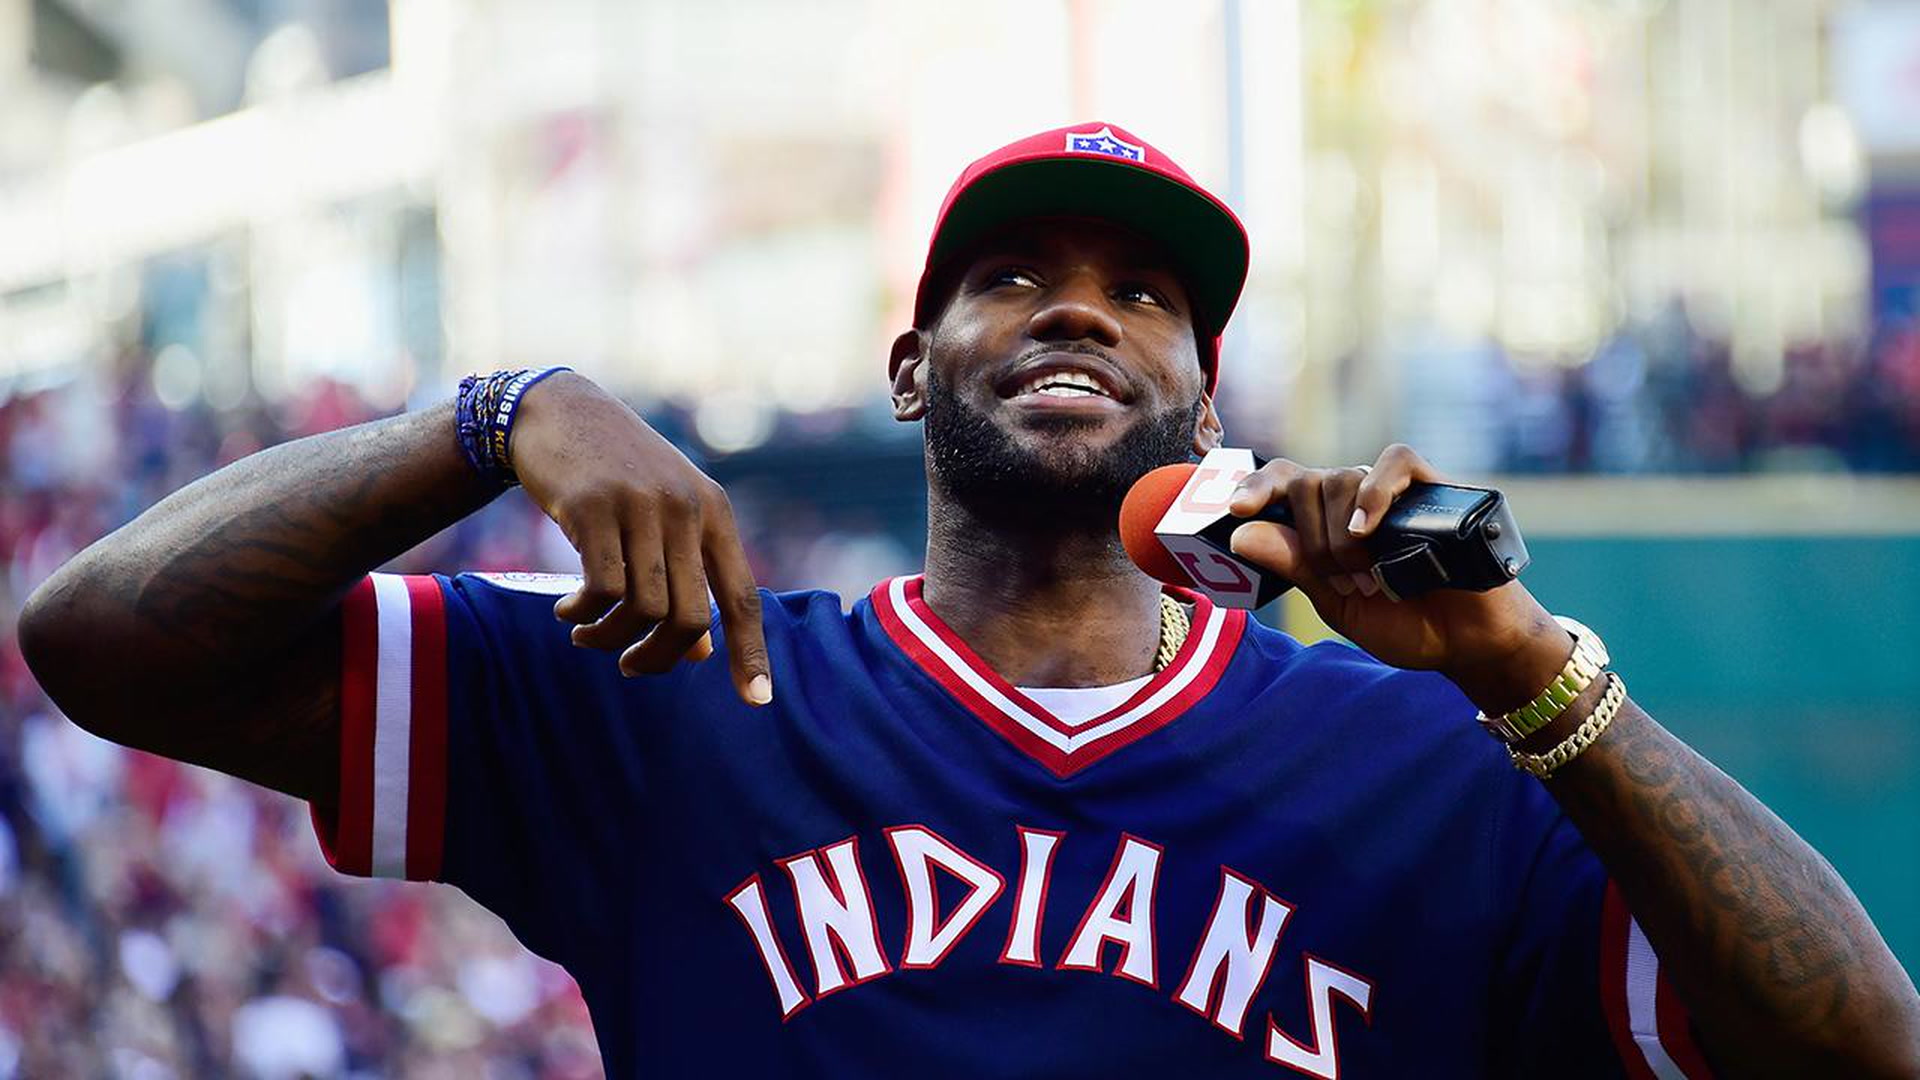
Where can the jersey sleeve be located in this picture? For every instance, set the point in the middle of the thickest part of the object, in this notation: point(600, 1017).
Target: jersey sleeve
point(391, 817)
point(480, 748)
point(1581, 992)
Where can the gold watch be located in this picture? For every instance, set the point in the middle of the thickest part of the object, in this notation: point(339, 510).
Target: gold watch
point(1589, 659)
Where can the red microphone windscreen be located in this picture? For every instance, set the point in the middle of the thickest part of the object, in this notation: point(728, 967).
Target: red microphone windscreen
point(1145, 505)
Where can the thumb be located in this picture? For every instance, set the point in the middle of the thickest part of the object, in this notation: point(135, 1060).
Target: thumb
point(1277, 549)
point(1272, 547)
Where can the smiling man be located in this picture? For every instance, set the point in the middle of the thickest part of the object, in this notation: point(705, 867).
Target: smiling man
point(1028, 814)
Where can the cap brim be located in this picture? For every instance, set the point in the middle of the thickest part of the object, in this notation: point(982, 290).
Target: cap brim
point(1203, 238)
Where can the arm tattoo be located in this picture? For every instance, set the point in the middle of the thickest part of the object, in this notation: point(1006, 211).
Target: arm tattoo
point(1778, 963)
point(218, 606)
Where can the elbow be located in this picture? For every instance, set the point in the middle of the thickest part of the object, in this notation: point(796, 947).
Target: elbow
point(54, 641)
point(40, 634)
point(1891, 1062)
point(1887, 1045)
point(1903, 1051)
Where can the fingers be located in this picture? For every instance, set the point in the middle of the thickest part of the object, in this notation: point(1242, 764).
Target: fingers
point(603, 574)
point(1351, 563)
point(1261, 487)
point(644, 592)
point(737, 596)
point(702, 648)
point(1318, 552)
point(686, 619)
point(645, 597)
point(1303, 499)
point(1397, 468)
point(1283, 549)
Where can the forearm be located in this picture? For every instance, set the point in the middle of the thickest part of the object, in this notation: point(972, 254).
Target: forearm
point(226, 575)
point(1779, 965)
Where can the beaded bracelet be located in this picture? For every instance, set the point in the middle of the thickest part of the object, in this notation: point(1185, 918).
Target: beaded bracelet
point(484, 412)
point(1544, 765)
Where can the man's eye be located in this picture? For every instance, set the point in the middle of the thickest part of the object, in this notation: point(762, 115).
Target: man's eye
point(1140, 294)
point(1011, 275)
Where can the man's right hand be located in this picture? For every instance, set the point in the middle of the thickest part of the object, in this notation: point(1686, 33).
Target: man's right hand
point(652, 532)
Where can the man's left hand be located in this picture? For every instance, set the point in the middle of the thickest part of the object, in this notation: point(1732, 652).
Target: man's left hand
point(1499, 646)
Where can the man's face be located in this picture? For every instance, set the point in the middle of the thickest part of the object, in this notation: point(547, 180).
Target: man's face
point(1063, 368)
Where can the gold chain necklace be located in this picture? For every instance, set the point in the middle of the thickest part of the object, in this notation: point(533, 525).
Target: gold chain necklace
point(1174, 626)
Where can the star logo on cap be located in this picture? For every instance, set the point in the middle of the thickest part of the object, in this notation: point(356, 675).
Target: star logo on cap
point(1105, 142)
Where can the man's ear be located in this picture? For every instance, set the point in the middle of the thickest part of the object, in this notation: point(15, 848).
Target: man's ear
point(1207, 429)
point(907, 366)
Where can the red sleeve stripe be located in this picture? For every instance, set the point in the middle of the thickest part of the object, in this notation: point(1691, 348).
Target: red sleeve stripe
point(393, 726)
point(426, 808)
point(345, 844)
point(1650, 1027)
point(1676, 1032)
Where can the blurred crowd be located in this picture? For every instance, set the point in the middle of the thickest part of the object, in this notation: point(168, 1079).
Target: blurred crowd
point(1663, 397)
point(162, 922)
point(159, 921)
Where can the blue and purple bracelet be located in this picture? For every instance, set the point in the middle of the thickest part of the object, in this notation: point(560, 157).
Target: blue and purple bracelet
point(484, 412)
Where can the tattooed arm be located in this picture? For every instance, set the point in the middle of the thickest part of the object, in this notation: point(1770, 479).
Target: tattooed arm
point(207, 628)
point(1780, 967)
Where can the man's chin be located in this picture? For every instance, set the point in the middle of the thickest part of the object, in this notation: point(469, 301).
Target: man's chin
point(1041, 433)
point(1070, 466)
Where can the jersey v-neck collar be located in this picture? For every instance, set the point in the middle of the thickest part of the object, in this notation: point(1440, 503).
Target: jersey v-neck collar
point(1062, 748)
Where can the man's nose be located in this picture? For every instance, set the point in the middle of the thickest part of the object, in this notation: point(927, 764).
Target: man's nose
point(1076, 310)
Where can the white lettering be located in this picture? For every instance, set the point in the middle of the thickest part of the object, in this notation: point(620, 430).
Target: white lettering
point(917, 850)
point(750, 904)
point(1030, 899)
point(1322, 1057)
point(1129, 885)
point(1235, 953)
point(837, 915)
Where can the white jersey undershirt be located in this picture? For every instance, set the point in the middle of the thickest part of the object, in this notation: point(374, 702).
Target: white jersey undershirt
point(1075, 705)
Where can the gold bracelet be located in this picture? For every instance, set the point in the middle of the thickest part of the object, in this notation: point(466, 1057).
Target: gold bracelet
point(1543, 765)
point(1589, 659)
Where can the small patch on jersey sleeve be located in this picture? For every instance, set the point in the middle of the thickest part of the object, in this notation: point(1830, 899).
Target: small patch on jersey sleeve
point(530, 582)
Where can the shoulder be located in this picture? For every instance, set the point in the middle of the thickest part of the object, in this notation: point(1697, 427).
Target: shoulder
point(1340, 666)
point(521, 602)
point(523, 587)
point(1409, 736)
point(1341, 696)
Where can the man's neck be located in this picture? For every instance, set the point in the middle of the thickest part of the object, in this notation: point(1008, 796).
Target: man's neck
point(1041, 607)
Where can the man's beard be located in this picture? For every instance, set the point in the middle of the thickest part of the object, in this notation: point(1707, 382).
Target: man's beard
point(1067, 487)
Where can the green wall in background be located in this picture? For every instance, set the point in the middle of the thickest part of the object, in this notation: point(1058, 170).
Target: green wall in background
point(1793, 663)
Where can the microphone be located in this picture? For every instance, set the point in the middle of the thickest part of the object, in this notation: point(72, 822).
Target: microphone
point(1176, 526)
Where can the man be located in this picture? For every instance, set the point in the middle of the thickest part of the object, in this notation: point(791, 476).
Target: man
point(1188, 847)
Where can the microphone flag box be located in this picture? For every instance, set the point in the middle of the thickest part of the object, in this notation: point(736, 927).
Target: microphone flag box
point(1197, 528)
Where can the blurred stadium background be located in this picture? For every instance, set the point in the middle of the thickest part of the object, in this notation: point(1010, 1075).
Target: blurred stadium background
point(1653, 266)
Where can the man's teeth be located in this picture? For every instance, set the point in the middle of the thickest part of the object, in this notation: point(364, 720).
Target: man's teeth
point(1064, 384)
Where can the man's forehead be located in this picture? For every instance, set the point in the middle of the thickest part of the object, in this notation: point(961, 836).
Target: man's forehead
point(1062, 236)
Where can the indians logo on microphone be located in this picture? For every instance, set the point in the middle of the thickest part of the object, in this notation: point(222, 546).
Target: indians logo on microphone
point(829, 889)
point(1188, 527)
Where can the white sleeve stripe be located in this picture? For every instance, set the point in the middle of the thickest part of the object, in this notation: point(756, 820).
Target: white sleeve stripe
point(392, 724)
point(1643, 980)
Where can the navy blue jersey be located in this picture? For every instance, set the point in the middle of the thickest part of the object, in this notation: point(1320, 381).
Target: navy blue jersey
point(1271, 859)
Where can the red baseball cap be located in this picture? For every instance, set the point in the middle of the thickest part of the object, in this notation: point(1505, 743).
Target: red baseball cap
point(1099, 170)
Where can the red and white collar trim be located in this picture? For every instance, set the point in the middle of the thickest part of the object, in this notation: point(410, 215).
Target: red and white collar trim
point(1065, 749)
